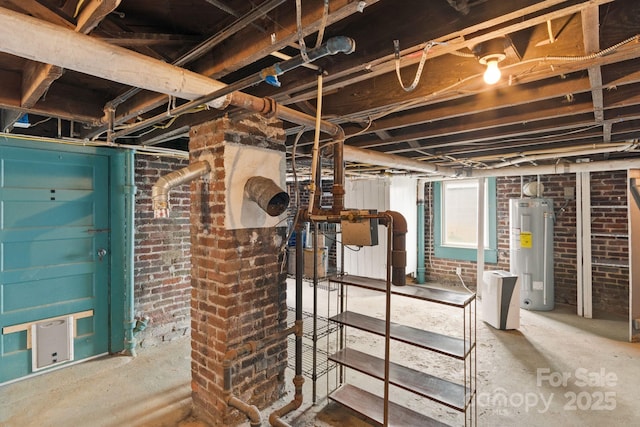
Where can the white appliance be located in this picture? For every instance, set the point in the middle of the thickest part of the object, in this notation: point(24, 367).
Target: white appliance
point(531, 251)
point(501, 299)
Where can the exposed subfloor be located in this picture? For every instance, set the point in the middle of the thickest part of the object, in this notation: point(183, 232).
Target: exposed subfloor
point(557, 369)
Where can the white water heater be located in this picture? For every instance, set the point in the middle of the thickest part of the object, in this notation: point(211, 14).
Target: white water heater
point(531, 251)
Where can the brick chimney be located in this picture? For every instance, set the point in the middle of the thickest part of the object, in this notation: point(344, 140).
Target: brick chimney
point(239, 287)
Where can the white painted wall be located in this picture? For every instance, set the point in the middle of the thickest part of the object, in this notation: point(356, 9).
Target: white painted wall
point(397, 194)
point(242, 162)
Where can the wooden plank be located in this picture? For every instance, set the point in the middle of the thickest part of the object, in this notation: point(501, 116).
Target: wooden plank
point(38, 10)
point(425, 293)
point(371, 406)
point(36, 79)
point(246, 47)
point(591, 37)
point(450, 394)
point(439, 343)
point(93, 12)
point(8, 118)
point(26, 326)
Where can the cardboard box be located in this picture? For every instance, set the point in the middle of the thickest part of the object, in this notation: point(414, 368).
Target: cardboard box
point(322, 262)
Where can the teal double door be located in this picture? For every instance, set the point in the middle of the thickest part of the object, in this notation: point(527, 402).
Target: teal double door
point(54, 250)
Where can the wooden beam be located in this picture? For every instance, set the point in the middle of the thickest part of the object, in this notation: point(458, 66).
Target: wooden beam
point(591, 39)
point(507, 23)
point(147, 39)
point(93, 12)
point(8, 118)
point(38, 10)
point(248, 46)
point(36, 79)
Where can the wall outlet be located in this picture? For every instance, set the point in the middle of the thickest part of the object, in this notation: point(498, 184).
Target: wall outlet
point(458, 271)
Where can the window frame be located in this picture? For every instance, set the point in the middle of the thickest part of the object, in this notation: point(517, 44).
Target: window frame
point(465, 253)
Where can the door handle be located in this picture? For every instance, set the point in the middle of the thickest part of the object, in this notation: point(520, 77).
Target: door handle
point(101, 253)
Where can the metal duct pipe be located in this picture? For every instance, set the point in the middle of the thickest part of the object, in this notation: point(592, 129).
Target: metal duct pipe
point(266, 193)
point(373, 157)
point(160, 190)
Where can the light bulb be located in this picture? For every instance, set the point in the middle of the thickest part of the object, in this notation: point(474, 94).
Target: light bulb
point(492, 75)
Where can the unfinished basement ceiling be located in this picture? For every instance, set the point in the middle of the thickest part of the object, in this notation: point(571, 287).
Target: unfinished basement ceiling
point(569, 89)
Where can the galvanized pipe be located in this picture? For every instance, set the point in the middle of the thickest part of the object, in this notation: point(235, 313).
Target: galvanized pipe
point(298, 380)
point(266, 193)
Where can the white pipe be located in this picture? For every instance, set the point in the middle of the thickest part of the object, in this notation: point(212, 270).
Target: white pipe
point(360, 155)
point(480, 236)
point(557, 154)
point(561, 168)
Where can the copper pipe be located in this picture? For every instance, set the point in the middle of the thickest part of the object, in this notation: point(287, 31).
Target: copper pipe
point(251, 411)
point(275, 417)
point(399, 247)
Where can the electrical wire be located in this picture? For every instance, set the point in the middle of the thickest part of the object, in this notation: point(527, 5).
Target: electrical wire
point(296, 189)
point(463, 284)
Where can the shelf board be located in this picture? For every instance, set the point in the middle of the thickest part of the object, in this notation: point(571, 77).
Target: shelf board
point(425, 293)
point(443, 344)
point(442, 391)
point(372, 407)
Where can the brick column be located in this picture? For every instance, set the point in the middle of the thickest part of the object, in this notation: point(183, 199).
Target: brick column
point(239, 288)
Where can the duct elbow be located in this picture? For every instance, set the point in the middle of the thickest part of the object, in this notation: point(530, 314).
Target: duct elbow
point(160, 190)
point(341, 44)
point(399, 248)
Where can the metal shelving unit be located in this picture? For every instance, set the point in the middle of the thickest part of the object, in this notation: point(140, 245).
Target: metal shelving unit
point(458, 396)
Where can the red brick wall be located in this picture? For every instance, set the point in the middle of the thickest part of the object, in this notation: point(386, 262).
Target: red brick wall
point(162, 255)
point(239, 290)
point(610, 283)
point(609, 219)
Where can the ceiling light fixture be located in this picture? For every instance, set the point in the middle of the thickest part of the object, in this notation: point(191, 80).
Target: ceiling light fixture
point(490, 53)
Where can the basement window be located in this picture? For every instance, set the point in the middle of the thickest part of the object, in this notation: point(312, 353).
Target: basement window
point(455, 207)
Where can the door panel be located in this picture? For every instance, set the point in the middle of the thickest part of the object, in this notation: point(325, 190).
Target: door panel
point(53, 221)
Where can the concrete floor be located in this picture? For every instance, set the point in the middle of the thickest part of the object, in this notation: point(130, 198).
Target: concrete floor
point(557, 369)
